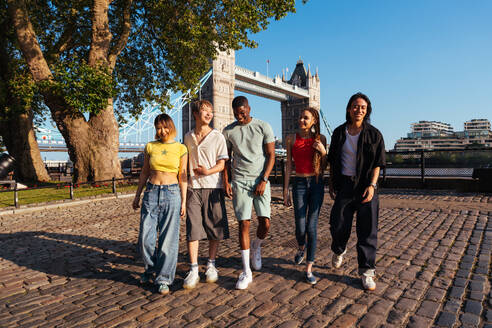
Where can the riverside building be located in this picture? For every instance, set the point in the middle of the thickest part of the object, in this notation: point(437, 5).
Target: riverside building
point(432, 135)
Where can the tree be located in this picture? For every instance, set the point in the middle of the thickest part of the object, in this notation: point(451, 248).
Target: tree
point(85, 56)
point(17, 100)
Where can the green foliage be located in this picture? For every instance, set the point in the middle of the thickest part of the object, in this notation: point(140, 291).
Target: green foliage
point(172, 43)
point(84, 88)
point(168, 49)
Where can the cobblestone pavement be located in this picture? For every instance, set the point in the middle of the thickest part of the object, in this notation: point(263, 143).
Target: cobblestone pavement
point(77, 267)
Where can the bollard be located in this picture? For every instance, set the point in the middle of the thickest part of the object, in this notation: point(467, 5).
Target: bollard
point(114, 185)
point(275, 167)
point(71, 190)
point(422, 166)
point(283, 169)
point(16, 196)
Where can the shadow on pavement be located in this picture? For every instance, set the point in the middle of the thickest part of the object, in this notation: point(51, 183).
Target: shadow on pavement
point(71, 255)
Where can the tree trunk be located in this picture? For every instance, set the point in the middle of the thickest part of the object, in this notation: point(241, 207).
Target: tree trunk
point(20, 140)
point(92, 146)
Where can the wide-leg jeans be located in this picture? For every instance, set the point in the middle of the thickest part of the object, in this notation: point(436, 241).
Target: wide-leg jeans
point(159, 220)
point(347, 202)
point(307, 194)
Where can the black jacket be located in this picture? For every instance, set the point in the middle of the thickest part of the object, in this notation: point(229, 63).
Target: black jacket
point(370, 154)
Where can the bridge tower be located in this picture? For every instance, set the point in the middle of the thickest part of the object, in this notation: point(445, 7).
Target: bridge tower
point(292, 107)
point(219, 90)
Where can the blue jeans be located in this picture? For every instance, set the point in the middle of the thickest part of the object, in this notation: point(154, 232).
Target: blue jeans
point(308, 197)
point(159, 218)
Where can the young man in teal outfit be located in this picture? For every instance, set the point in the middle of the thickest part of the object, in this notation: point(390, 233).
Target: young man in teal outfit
point(251, 146)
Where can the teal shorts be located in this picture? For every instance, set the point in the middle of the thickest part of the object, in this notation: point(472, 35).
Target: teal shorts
point(244, 199)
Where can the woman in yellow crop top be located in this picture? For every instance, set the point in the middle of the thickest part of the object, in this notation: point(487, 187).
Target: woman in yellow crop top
point(163, 203)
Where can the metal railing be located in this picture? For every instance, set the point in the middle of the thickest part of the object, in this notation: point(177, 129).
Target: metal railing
point(59, 193)
point(436, 163)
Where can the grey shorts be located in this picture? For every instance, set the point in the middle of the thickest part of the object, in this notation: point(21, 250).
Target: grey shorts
point(206, 215)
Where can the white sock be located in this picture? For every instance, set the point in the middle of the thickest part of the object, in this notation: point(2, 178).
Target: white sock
point(194, 267)
point(211, 263)
point(258, 242)
point(245, 257)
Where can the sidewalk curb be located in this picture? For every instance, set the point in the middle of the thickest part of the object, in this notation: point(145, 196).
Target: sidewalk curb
point(60, 205)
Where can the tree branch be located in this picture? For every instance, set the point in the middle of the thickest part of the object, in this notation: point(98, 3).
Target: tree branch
point(101, 35)
point(28, 41)
point(125, 27)
point(64, 43)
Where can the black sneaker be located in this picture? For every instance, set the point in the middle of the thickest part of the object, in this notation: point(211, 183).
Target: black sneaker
point(146, 278)
point(299, 256)
point(311, 278)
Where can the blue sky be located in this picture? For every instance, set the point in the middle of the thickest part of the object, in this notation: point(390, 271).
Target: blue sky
point(416, 60)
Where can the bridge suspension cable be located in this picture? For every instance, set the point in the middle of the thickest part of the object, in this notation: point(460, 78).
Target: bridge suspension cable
point(325, 122)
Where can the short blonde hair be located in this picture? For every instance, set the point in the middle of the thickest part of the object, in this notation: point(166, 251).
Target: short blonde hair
point(168, 123)
point(199, 104)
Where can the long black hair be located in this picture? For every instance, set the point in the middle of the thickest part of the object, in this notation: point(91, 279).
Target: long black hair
point(358, 95)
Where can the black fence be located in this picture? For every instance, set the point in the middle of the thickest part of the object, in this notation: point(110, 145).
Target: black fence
point(437, 163)
point(469, 169)
point(61, 191)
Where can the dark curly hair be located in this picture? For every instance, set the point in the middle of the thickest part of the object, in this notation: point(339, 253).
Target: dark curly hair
point(358, 95)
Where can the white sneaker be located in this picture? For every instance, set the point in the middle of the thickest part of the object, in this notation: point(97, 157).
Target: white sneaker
point(244, 280)
point(256, 255)
point(191, 280)
point(368, 282)
point(212, 274)
point(336, 260)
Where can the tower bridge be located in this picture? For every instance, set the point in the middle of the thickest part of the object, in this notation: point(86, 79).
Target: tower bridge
point(300, 91)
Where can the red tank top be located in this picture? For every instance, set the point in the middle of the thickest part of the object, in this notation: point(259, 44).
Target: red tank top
point(302, 153)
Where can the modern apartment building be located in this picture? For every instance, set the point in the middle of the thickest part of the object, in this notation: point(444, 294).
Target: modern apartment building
point(432, 135)
point(477, 124)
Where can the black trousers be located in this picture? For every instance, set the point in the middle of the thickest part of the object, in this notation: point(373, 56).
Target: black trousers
point(347, 202)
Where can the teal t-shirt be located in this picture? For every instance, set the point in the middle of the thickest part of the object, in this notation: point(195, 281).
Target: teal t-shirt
point(246, 144)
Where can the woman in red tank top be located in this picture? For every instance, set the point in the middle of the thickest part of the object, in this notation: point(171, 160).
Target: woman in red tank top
point(307, 150)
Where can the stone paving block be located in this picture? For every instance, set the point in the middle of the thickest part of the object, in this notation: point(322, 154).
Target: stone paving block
point(473, 307)
point(289, 324)
point(397, 317)
point(435, 294)
point(371, 320)
point(267, 322)
point(406, 304)
point(428, 309)
point(446, 319)
point(476, 286)
point(452, 306)
point(177, 312)
point(150, 315)
point(381, 307)
point(265, 308)
point(125, 317)
point(344, 321)
point(244, 322)
point(476, 296)
point(469, 320)
point(332, 292)
point(418, 322)
point(457, 292)
point(305, 297)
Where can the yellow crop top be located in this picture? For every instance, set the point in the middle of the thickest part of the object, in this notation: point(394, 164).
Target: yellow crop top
point(165, 156)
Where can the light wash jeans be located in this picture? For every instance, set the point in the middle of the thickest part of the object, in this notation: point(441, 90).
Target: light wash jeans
point(307, 194)
point(159, 218)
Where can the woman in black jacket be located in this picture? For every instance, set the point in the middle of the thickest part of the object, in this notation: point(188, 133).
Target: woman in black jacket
point(356, 155)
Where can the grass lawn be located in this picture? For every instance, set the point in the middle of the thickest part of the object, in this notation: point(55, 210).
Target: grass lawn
point(47, 194)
